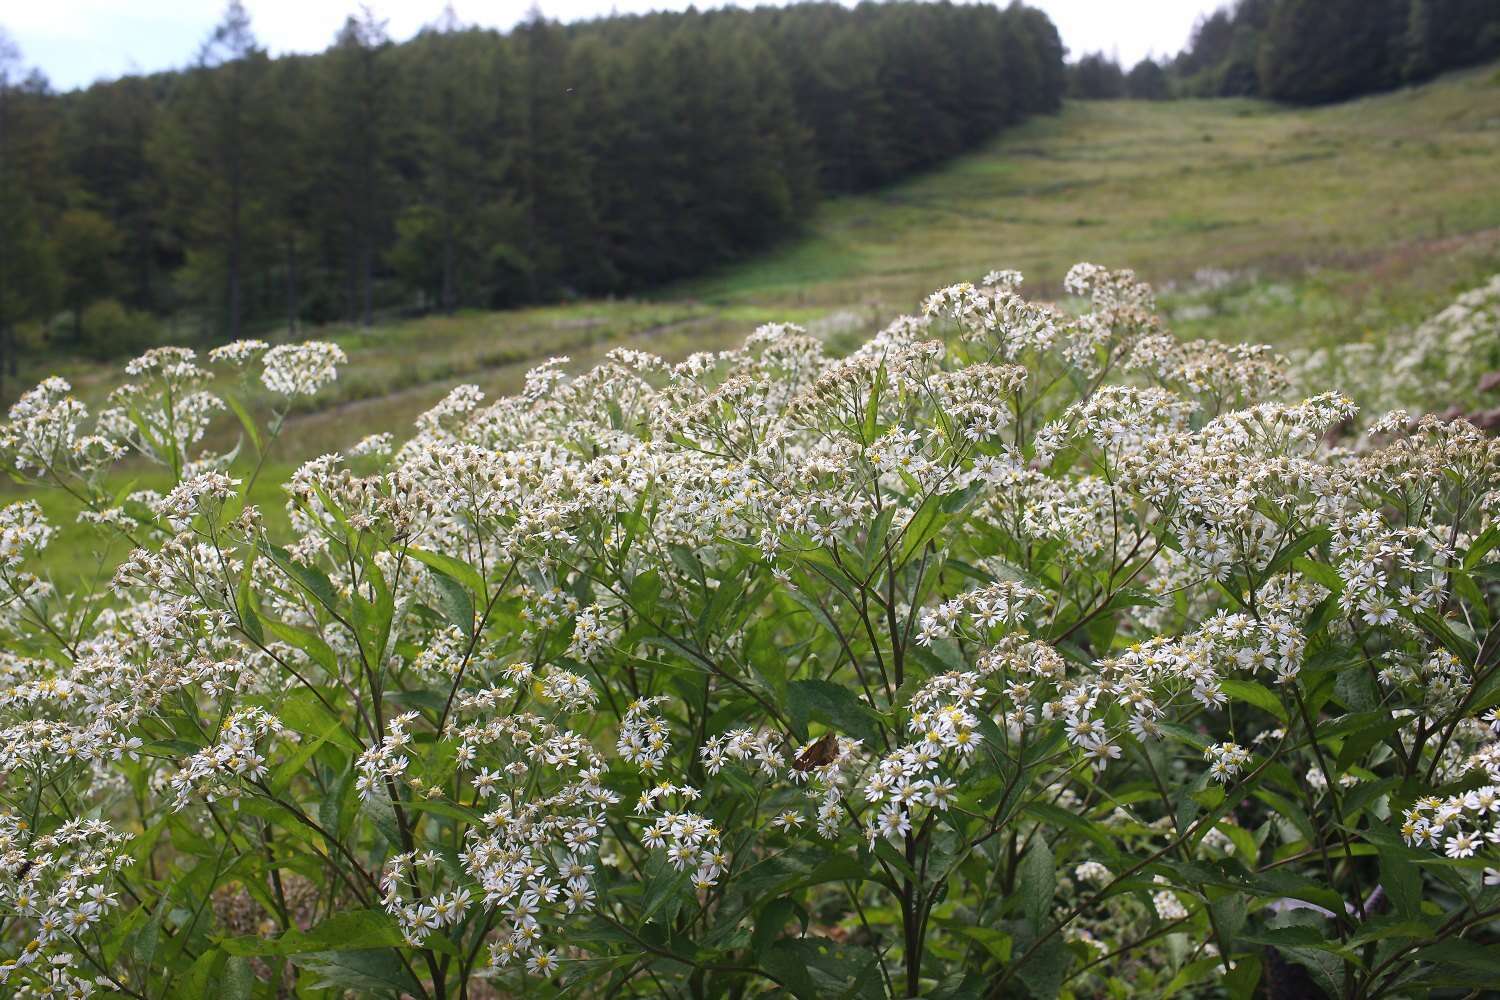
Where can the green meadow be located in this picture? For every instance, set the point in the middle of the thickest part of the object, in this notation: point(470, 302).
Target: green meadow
point(1256, 222)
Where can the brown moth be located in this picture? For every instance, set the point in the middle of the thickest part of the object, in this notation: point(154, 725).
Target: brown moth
point(819, 754)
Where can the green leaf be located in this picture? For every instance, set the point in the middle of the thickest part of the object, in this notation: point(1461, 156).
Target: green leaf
point(148, 936)
point(455, 568)
point(1240, 982)
point(239, 979)
point(300, 638)
point(1295, 548)
point(1252, 693)
point(999, 944)
point(303, 712)
point(1399, 874)
point(252, 431)
point(1439, 630)
point(203, 977)
point(456, 604)
point(373, 618)
point(872, 406)
point(1191, 973)
point(1037, 883)
point(834, 706)
point(790, 970)
point(923, 527)
point(1320, 573)
point(1042, 971)
point(348, 931)
point(1229, 912)
point(288, 769)
point(1055, 816)
point(1462, 954)
point(244, 604)
point(827, 969)
point(770, 923)
point(1356, 689)
point(377, 971)
point(1191, 875)
point(664, 891)
point(1359, 742)
point(1481, 546)
point(310, 578)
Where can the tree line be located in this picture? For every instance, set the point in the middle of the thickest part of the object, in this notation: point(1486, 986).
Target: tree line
point(470, 167)
point(1305, 51)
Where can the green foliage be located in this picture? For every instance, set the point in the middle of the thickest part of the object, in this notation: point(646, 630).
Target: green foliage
point(1020, 652)
point(108, 329)
point(1313, 51)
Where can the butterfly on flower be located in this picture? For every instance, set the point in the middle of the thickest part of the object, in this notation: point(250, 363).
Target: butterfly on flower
point(820, 754)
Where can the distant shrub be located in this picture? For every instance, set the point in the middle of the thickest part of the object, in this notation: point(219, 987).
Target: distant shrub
point(110, 330)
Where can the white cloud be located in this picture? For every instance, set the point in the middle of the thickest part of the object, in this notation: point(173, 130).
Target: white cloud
point(78, 41)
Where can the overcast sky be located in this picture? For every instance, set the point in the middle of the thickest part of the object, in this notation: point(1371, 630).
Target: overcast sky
point(76, 42)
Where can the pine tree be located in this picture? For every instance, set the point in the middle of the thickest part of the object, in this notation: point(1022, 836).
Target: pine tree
point(29, 279)
point(210, 148)
point(359, 109)
point(1146, 81)
point(85, 244)
point(449, 96)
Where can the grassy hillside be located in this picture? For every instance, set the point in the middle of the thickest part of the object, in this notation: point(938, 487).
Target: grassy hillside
point(1257, 222)
point(1368, 197)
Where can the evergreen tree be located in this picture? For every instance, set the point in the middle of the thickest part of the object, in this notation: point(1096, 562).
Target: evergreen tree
point(1327, 50)
point(359, 109)
point(1096, 77)
point(1146, 81)
point(85, 244)
point(475, 168)
point(106, 136)
point(29, 279)
point(210, 148)
point(551, 168)
point(444, 74)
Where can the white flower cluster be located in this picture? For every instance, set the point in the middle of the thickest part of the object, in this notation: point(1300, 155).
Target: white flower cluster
point(1225, 761)
point(383, 764)
point(735, 547)
point(1468, 823)
point(301, 369)
point(994, 606)
point(54, 888)
point(1445, 363)
point(754, 745)
point(235, 758)
point(644, 738)
point(23, 531)
point(918, 778)
point(689, 841)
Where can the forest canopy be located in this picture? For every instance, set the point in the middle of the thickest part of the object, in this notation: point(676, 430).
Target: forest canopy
point(468, 167)
point(1306, 51)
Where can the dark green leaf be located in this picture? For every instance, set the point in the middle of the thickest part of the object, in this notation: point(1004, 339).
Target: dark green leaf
point(833, 706)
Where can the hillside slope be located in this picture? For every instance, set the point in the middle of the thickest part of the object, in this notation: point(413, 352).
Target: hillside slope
point(1257, 222)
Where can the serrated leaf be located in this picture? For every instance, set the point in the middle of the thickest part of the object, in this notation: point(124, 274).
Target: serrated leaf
point(455, 568)
point(834, 706)
point(1037, 883)
point(377, 971)
point(454, 601)
point(351, 930)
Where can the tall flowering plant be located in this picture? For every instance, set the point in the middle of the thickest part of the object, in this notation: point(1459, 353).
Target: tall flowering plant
point(1021, 651)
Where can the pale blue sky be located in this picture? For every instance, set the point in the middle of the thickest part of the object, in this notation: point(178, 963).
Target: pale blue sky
point(78, 41)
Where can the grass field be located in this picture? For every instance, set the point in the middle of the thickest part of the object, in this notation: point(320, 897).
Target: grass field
point(1257, 222)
